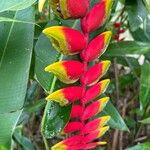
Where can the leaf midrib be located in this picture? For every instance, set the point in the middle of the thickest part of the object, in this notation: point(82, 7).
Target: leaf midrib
point(9, 34)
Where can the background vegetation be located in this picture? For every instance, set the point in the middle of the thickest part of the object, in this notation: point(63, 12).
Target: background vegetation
point(24, 53)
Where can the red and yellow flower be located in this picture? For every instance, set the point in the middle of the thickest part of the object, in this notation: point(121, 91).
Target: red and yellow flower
point(83, 127)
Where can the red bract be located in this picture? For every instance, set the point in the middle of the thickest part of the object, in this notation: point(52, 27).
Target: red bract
point(96, 90)
point(83, 127)
point(96, 47)
point(66, 95)
point(65, 39)
point(67, 71)
point(67, 9)
point(73, 126)
point(96, 16)
point(94, 108)
point(95, 124)
point(99, 70)
point(76, 111)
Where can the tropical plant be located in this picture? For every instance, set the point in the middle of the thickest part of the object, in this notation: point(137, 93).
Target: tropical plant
point(60, 50)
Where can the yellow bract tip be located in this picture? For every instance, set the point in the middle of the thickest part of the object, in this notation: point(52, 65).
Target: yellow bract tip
point(107, 35)
point(103, 102)
point(41, 4)
point(104, 84)
point(59, 146)
point(57, 96)
point(104, 120)
point(105, 66)
point(108, 6)
point(58, 38)
point(103, 131)
point(102, 143)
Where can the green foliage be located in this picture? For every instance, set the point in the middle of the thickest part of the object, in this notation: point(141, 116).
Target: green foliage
point(15, 5)
point(145, 86)
point(15, 57)
point(144, 146)
point(116, 120)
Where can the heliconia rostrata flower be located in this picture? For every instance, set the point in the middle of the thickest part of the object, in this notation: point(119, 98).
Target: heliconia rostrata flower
point(84, 128)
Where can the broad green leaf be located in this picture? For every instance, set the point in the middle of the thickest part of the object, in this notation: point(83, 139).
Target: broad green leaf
point(147, 27)
point(15, 4)
point(127, 48)
point(8, 122)
point(145, 85)
point(147, 4)
point(15, 56)
point(55, 120)
point(136, 13)
point(5, 19)
point(139, 35)
point(45, 54)
point(143, 34)
point(144, 146)
point(116, 120)
point(146, 121)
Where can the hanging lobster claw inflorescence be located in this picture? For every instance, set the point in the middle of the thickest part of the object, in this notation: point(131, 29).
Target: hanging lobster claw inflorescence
point(84, 97)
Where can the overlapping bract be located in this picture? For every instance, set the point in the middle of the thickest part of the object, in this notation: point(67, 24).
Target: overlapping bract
point(66, 40)
point(67, 9)
point(84, 97)
point(96, 17)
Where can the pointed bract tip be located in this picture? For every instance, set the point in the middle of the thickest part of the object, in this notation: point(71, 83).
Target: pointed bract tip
point(58, 96)
point(106, 65)
point(108, 5)
point(103, 130)
point(105, 99)
point(102, 143)
point(104, 84)
point(60, 146)
point(107, 35)
point(104, 120)
point(41, 4)
point(48, 68)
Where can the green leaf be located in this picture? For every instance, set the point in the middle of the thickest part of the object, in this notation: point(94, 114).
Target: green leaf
point(8, 122)
point(145, 85)
point(146, 121)
point(127, 48)
point(147, 4)
point(14, 5)
point(15, 56)
point(23, 141)
point(116, 120)
point(6, 19)
point(55, 120)
point(45, 54)
point(136, 13)
point(144, 146)
point(142, 34)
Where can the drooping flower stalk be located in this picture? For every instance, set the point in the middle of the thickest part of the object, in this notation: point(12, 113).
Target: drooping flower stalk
point(83, 128)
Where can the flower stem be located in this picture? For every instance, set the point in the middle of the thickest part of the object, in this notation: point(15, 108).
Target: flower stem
point(47, 106)
point(83, 85)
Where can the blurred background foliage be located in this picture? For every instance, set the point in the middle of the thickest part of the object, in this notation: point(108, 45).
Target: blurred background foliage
point(27, 122)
